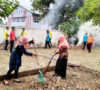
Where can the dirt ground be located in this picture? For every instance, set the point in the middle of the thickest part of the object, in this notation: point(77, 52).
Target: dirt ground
point(76, 80)
point(28, 63)
point(89, 60)
point(78, 57)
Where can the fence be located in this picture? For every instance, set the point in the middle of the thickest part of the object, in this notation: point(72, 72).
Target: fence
point(38, 35)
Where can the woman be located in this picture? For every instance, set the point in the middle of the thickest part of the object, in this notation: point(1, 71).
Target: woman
point(90, 42)
point(47, 42)
point(61, 64)
point(15, 58)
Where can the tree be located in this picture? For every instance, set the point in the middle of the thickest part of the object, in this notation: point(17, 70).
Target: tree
point(90, 10)
point(6, 7)
point(70, 26)
point(70, 23)
point(42, 6)
point(67, 21)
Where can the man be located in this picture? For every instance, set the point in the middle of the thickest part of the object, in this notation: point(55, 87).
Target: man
point(23, 32)
point(50, 34)
point(6, 37)
point(85, 38)
point(90, 42)
point(12, 38)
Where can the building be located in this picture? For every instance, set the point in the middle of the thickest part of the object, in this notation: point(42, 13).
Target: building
point(23, 17)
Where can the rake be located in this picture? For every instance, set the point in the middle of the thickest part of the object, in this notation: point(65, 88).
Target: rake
point(40, 77)
point(47, 67)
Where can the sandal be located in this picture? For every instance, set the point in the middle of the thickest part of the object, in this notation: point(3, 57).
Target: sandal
point(16, 80)
point(6, 82)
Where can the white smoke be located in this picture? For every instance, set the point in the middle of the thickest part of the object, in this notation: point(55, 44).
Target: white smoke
point(88, 27)
point(54, 15)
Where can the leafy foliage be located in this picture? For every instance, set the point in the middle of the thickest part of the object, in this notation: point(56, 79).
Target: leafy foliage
point(68, 22)
point(6, 7)
point(42, 6)
point(70, 27)
point(90, 10)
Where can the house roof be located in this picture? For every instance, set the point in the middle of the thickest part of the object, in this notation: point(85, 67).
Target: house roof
point(26, 7)
point(29, 9)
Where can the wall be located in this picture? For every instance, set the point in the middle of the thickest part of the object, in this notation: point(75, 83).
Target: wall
point(38, 35)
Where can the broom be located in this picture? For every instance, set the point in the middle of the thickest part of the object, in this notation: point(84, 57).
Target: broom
point(45, 56)
point(47, 67)
point(40, 78)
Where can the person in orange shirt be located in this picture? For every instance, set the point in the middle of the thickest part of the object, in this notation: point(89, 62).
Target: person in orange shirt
point(90, 42)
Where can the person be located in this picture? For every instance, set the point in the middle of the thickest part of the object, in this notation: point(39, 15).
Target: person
point(47, 42)
point(50, 34)
point(12, 38)
point(23, 32)
point(15, 59)
point(61, 64)
point(90, 42)
point(6, 37)
point(85, 38)
point(31, 41)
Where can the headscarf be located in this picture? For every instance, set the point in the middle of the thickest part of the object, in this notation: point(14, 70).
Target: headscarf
point(24, 40)
point(63, 43)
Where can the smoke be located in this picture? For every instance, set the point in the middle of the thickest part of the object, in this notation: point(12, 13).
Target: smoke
point(54, 15)
point(88, 27)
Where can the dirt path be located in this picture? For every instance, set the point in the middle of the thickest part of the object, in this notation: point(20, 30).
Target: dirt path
point(76, 80)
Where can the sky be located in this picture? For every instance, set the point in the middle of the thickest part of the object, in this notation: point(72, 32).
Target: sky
point(26, 3)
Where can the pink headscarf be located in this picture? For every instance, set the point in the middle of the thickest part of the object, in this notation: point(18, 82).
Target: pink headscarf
point(24, 40)
point(63, 42)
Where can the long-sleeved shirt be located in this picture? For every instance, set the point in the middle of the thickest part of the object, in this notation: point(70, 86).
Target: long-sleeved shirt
point(15, 58)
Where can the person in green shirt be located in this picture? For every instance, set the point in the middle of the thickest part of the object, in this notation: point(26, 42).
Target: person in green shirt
point(23, 32)
point(6, 37)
